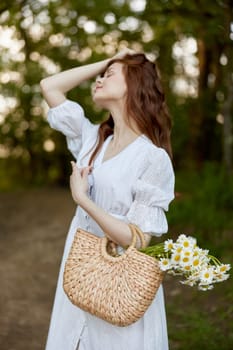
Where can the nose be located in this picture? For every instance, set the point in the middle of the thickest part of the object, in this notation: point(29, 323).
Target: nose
point(99, 80)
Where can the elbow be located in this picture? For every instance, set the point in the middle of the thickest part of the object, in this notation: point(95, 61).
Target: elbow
point(50, 93)
point(44, 86)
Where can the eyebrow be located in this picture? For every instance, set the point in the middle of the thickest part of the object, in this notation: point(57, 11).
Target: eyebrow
point(109, 69)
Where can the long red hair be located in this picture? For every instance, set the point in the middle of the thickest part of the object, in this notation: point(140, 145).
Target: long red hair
point(145, 103)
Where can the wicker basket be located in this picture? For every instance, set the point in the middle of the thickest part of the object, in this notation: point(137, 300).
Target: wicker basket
point(116, 289)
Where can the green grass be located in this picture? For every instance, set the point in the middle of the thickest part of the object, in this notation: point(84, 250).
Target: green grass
point(201, 320)
point(203, 208)
point(198, 331)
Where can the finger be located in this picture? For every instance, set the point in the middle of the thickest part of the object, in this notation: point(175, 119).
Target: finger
point(75, 169)
point(126, 51)
point(85, 171)
point(72, 165)
point(130, 51)
point(90, 168)
point(72, 181)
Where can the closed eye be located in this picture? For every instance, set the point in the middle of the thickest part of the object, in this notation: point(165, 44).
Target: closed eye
point(109, 72)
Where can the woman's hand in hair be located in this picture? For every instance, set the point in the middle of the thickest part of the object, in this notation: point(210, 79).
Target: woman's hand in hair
point(121, 54)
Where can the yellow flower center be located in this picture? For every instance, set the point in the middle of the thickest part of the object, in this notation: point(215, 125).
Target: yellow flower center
point(185, 259)
point(196, 262)
point(223, 268)
point(187, 267)
point(177, 257)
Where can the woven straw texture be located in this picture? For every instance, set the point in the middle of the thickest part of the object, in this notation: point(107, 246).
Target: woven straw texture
point(116, 289)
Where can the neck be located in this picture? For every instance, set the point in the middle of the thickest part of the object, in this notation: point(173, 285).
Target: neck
point(123, 133)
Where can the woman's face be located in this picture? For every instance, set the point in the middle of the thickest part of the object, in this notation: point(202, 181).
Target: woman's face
point(111, 87)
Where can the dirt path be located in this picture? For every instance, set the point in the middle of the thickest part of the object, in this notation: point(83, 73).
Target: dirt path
point(33, 226)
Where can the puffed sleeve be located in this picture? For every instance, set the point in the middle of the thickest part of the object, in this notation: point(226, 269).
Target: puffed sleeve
point(153, 192)
point(69, 118)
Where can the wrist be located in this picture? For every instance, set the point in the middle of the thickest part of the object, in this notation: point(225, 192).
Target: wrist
point(103, 65)
point(82, 200)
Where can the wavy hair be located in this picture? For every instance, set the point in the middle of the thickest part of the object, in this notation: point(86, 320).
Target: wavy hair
point(145, 103)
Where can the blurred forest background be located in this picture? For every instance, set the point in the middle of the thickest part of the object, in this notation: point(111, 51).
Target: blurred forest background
point(192, 43)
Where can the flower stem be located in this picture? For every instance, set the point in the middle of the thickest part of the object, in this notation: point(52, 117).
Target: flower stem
point(214, 260)
point(155, 250)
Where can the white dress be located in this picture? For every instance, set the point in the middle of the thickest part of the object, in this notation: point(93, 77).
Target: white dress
point(136, 186)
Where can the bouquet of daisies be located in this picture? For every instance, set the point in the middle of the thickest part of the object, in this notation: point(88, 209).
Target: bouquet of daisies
point(183, 257)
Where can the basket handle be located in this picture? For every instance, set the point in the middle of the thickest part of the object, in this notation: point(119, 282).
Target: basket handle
point(135, 231)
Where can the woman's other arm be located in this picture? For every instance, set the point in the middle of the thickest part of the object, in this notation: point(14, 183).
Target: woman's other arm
point(117, 230)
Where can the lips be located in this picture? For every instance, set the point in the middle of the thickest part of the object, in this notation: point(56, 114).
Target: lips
point(97, 88)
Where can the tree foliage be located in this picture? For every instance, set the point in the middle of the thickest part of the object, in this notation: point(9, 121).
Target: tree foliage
point(191, 41)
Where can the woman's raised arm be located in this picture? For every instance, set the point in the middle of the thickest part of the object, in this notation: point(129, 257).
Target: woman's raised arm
point(56, 86)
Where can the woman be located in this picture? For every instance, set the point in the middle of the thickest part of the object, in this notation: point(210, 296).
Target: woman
point(122, 174)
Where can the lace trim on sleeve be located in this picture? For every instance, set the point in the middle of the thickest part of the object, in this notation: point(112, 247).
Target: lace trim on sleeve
point(150, 219)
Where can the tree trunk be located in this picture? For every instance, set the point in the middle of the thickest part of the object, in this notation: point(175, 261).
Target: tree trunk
point(227, 114)
point(228, 104)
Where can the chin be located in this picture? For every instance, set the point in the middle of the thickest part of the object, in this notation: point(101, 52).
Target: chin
point(99, 102)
